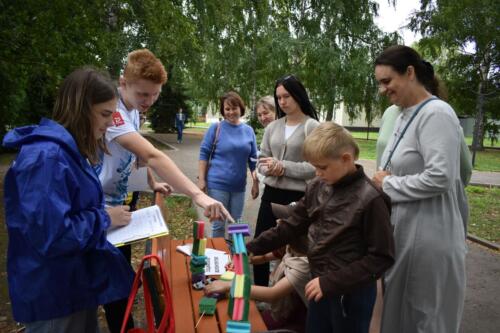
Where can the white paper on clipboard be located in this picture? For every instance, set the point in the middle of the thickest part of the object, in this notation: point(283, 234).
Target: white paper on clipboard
point(145, 223)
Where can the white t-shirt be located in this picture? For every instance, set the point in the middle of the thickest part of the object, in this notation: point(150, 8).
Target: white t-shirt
point(114, 169)
point(289, 130)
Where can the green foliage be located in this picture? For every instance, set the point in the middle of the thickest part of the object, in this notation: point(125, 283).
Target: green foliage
point(40, 43)
point(212, 46)
point(461, 37)
point(162, 114)
point(181, 214)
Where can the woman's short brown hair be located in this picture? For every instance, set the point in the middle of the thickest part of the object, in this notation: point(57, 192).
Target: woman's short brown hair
point(329, 140)
point(233, 99)
point(143, 64)
point(79, 92)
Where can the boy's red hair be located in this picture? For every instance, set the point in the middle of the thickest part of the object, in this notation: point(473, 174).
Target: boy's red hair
point(143, 64)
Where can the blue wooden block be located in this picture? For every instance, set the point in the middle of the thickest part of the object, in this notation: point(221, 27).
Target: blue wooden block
point(238, 326)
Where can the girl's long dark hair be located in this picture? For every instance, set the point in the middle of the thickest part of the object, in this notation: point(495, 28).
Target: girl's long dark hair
point(297, 90)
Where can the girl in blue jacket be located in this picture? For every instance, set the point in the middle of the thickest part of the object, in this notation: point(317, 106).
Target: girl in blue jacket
point(58, 256)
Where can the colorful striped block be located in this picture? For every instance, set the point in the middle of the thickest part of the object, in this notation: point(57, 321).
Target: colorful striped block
point(239, 305)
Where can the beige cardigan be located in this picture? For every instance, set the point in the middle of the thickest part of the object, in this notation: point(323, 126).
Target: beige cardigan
point(297, 171)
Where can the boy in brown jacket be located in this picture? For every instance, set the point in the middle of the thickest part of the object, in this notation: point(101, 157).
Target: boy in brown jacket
point(347, 220)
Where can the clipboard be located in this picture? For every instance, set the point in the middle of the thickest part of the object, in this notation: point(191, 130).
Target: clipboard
point(146, 223)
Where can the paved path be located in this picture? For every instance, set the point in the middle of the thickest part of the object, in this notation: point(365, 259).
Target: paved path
point(482, 303)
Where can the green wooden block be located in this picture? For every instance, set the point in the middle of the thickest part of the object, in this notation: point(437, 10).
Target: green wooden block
point(197, 269)
point(195, 230)
point(246, 309)
point(246, 287)
point(246, 265)
point(207, 305)
point(196, 246)
point(230, 306)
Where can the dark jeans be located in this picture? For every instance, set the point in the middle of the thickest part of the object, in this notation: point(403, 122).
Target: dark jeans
point(179, 132)
point(267, 220)
point(349, 313)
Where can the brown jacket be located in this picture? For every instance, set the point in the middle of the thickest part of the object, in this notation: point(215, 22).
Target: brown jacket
point(349, 231)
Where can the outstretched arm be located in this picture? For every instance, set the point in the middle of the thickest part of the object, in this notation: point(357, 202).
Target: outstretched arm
point(264, 294)
point(167, 170)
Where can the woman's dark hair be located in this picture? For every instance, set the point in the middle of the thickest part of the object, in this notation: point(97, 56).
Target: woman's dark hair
point(233, 99)
point(296, 89)
point(78, 93)
point(399, 57)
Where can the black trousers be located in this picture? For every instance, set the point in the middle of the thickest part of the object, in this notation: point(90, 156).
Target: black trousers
point(267, 220)
point(115, 311)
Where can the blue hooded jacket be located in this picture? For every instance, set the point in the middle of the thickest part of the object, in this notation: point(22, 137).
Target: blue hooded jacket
point(59, 261)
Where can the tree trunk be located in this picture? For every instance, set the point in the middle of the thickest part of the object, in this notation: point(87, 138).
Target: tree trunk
point(477, 142)
point(329, 114)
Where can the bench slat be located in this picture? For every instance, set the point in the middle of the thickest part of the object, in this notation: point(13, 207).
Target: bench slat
point(181, 290)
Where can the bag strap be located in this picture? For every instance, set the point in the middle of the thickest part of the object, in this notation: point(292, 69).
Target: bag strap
point(167, 323)
point(214, 143)
point(404, 130)
point(306, 132)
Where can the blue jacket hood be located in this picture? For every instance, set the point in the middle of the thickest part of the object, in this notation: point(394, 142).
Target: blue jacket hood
point(46, 130)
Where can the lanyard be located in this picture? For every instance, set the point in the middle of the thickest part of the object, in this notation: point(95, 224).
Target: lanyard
point(404, 131)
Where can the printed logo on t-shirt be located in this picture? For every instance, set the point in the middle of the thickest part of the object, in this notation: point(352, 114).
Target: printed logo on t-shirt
point(117, 119)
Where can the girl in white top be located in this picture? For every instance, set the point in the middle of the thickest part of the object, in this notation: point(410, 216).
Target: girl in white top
point(281, 160)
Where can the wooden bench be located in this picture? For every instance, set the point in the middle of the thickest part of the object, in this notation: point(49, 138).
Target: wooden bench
point(185, 298)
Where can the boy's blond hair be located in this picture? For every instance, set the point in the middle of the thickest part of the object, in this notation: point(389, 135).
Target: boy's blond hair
point(143, 64)
point(329, 140)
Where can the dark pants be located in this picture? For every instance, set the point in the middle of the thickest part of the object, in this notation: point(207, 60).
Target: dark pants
point(180, 128)
point(349, 313)
point(115, 311)
point(267, 220)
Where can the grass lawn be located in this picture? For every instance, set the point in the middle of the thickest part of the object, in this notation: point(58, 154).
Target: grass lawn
point(488, 160)
point(181, 215)
point(195, 129)
point(484, 205)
